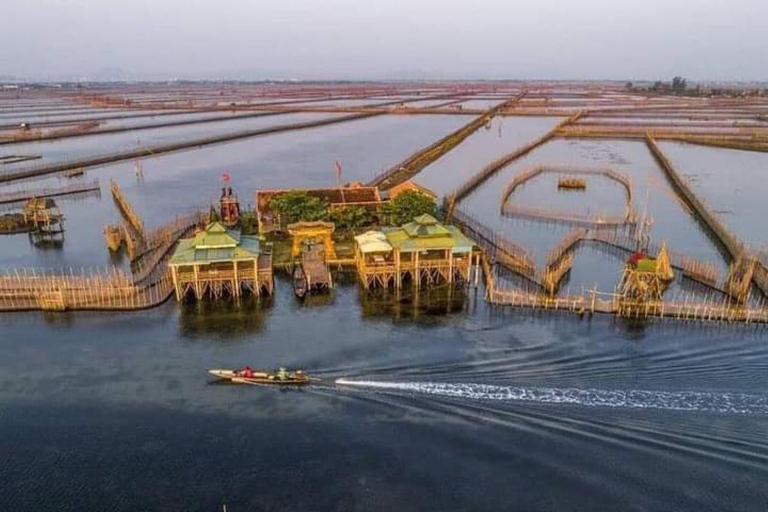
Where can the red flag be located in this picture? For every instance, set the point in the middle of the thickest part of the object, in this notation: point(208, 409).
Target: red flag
point(225, 177)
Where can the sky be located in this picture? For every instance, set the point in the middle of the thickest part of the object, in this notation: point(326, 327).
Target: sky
point(392, 39)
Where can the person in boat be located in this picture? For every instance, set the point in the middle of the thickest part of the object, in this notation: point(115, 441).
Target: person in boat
point(247, 372)
point(282, 374)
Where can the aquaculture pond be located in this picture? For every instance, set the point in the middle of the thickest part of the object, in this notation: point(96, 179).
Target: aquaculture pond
point(653, 199)
point(729, 181)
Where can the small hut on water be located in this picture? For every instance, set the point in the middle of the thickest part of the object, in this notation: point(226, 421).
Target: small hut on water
point(219, 262)
point(644, 281)
point(423, 251)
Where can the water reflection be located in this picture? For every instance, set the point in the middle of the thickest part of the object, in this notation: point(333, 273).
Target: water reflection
point(223, 319)
point(412, 305)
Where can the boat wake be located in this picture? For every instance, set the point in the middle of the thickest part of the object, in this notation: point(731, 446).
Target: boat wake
point(735, 403)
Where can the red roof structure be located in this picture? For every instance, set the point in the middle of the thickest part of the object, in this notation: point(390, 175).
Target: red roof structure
point(338, 197)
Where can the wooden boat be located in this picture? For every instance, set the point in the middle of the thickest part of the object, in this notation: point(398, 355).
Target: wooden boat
point(300, 285)
point(281, 377)
point(74, 173)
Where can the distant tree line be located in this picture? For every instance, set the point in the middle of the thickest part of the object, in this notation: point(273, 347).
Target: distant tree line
point(679, 87)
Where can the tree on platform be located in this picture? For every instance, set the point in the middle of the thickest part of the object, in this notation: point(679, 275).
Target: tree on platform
point(408, 205)
point(213, 215)
point(249, 224)
point(350, 217)
point(299, 206)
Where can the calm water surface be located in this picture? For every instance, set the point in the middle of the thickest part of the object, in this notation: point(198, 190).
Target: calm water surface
point(115, 412)
point(731, 182)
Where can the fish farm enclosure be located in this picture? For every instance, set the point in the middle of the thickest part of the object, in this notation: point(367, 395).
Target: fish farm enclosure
point(584, 304)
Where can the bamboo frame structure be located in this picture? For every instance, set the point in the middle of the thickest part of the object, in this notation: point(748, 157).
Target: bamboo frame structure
point(218, 280)
point(422, 252)
point(628, 217)
point(217, 263)
point(429, 268)
point(148, 285)
point(126, 209)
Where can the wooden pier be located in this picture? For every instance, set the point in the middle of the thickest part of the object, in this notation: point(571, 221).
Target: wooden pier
point(126, 209)
point(311, 249)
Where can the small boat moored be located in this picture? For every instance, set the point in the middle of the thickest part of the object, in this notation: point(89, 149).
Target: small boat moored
point(280, 377)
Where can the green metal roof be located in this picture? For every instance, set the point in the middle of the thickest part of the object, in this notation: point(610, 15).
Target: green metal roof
point(216, 244)
point(425, 226)
point(426, 233)
point(646, 265)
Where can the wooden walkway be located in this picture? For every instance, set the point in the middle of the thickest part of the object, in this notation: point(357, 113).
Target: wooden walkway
point(24, 290)
point(147, 285)
point(315, 268)
point(607, 303)
point(412, 165)
point(501, 293)
point(497, 248)
point(126, 209)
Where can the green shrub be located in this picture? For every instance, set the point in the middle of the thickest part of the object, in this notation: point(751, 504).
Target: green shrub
point(299, 206)
point(409, 205)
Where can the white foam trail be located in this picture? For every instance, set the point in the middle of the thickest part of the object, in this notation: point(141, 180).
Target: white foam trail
point(632, 399)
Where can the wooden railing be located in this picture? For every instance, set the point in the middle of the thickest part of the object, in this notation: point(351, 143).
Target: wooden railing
point(126, 209)
point(496, 247)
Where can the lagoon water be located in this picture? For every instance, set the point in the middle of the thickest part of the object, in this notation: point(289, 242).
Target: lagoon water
point(470, 408)
point(106, 412)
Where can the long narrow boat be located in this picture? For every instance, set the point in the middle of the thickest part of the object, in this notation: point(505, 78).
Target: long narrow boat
point(300, 285)
point(280, 377)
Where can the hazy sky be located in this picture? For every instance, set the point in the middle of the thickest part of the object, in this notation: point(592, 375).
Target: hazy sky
point(157, 39)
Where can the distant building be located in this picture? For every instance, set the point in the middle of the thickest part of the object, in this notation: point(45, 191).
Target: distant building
point(409, 186)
